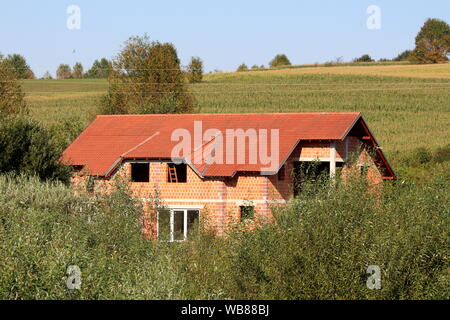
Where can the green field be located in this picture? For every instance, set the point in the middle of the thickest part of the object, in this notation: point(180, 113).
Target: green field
point(321, 242)
point(403, 111)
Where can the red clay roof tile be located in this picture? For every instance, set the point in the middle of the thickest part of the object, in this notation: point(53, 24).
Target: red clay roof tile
point(113, 137)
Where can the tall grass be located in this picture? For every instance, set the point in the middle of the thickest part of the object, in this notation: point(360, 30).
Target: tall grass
point(318, 248)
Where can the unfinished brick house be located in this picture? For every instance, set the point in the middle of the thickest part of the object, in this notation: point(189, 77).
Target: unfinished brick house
point(225, 174)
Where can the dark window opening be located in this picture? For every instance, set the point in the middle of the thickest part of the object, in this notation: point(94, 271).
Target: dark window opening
point(282, 173)
point(364, 169)
point(192, 221)
point(311, 171)
point(178, 225)
point(140, 172)
point(77, 168)
point(247, 212)
point(177, 173)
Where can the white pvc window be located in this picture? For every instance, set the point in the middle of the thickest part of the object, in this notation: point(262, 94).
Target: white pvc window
point(176, 224)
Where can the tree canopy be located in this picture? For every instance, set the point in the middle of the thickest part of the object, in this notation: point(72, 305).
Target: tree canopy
point(432, 42)
point(20, 66)
point(77, 72)
point(279, 60)
point(195, 70)
point(27, 148)
point(100, 69)
point(364, 58)
point(64, 71)
point(242, 67)
point(146, 77)
point(11, 95)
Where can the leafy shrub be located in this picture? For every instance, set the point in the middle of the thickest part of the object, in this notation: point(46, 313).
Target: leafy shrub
point(279, 60)
point(20, 66)
point(242, 67)
point(318, 248)
point(100, 69)
point(195, 70)
point(403, 56)
point(65, 132)
point(364, 58)
point(27, 148)
point(11, 96)
point(45, 228)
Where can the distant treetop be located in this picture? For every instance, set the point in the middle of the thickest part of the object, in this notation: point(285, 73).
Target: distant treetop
point(432, 42)
point(279, 60)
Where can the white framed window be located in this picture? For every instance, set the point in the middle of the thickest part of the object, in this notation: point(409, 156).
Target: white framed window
point(176, 224)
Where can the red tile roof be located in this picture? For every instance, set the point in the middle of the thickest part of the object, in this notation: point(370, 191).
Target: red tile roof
point(109, 139)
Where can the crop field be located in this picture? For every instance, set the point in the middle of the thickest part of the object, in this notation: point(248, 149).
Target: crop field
point(406, 106)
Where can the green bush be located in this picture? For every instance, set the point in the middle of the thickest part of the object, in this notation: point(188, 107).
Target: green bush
point(279, 60)
point(99, 70)
point(27, 148)
point(319, 247)
point(44, 229)
point(195, 70)
point(364, 58)
point(403, 56)
point(242, 67)
point(11, 95)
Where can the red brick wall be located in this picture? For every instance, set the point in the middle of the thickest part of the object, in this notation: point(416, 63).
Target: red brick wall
point(219, 199)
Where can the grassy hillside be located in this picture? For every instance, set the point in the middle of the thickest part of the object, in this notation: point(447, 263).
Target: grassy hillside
point(408, 107)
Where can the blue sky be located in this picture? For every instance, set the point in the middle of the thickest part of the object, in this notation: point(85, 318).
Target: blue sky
point(223, 33)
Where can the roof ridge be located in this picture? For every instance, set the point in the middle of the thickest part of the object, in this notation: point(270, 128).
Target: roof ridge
point(223, 114)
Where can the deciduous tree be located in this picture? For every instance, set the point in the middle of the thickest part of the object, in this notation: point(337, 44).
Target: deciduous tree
point(77, 71)
point(11, 95)
point(195, 70)
point(146, 78)
point(279, 60)
point(364, 58)
point(20, 66)
point(99, 70)
point(64, 71)
point(432, 42)
point(242, 67)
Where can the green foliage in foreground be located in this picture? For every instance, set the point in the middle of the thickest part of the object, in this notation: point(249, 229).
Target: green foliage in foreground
point(319, 248)
point(27, 148)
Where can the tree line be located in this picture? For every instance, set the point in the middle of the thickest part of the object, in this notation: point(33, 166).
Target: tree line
point(432, 45)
